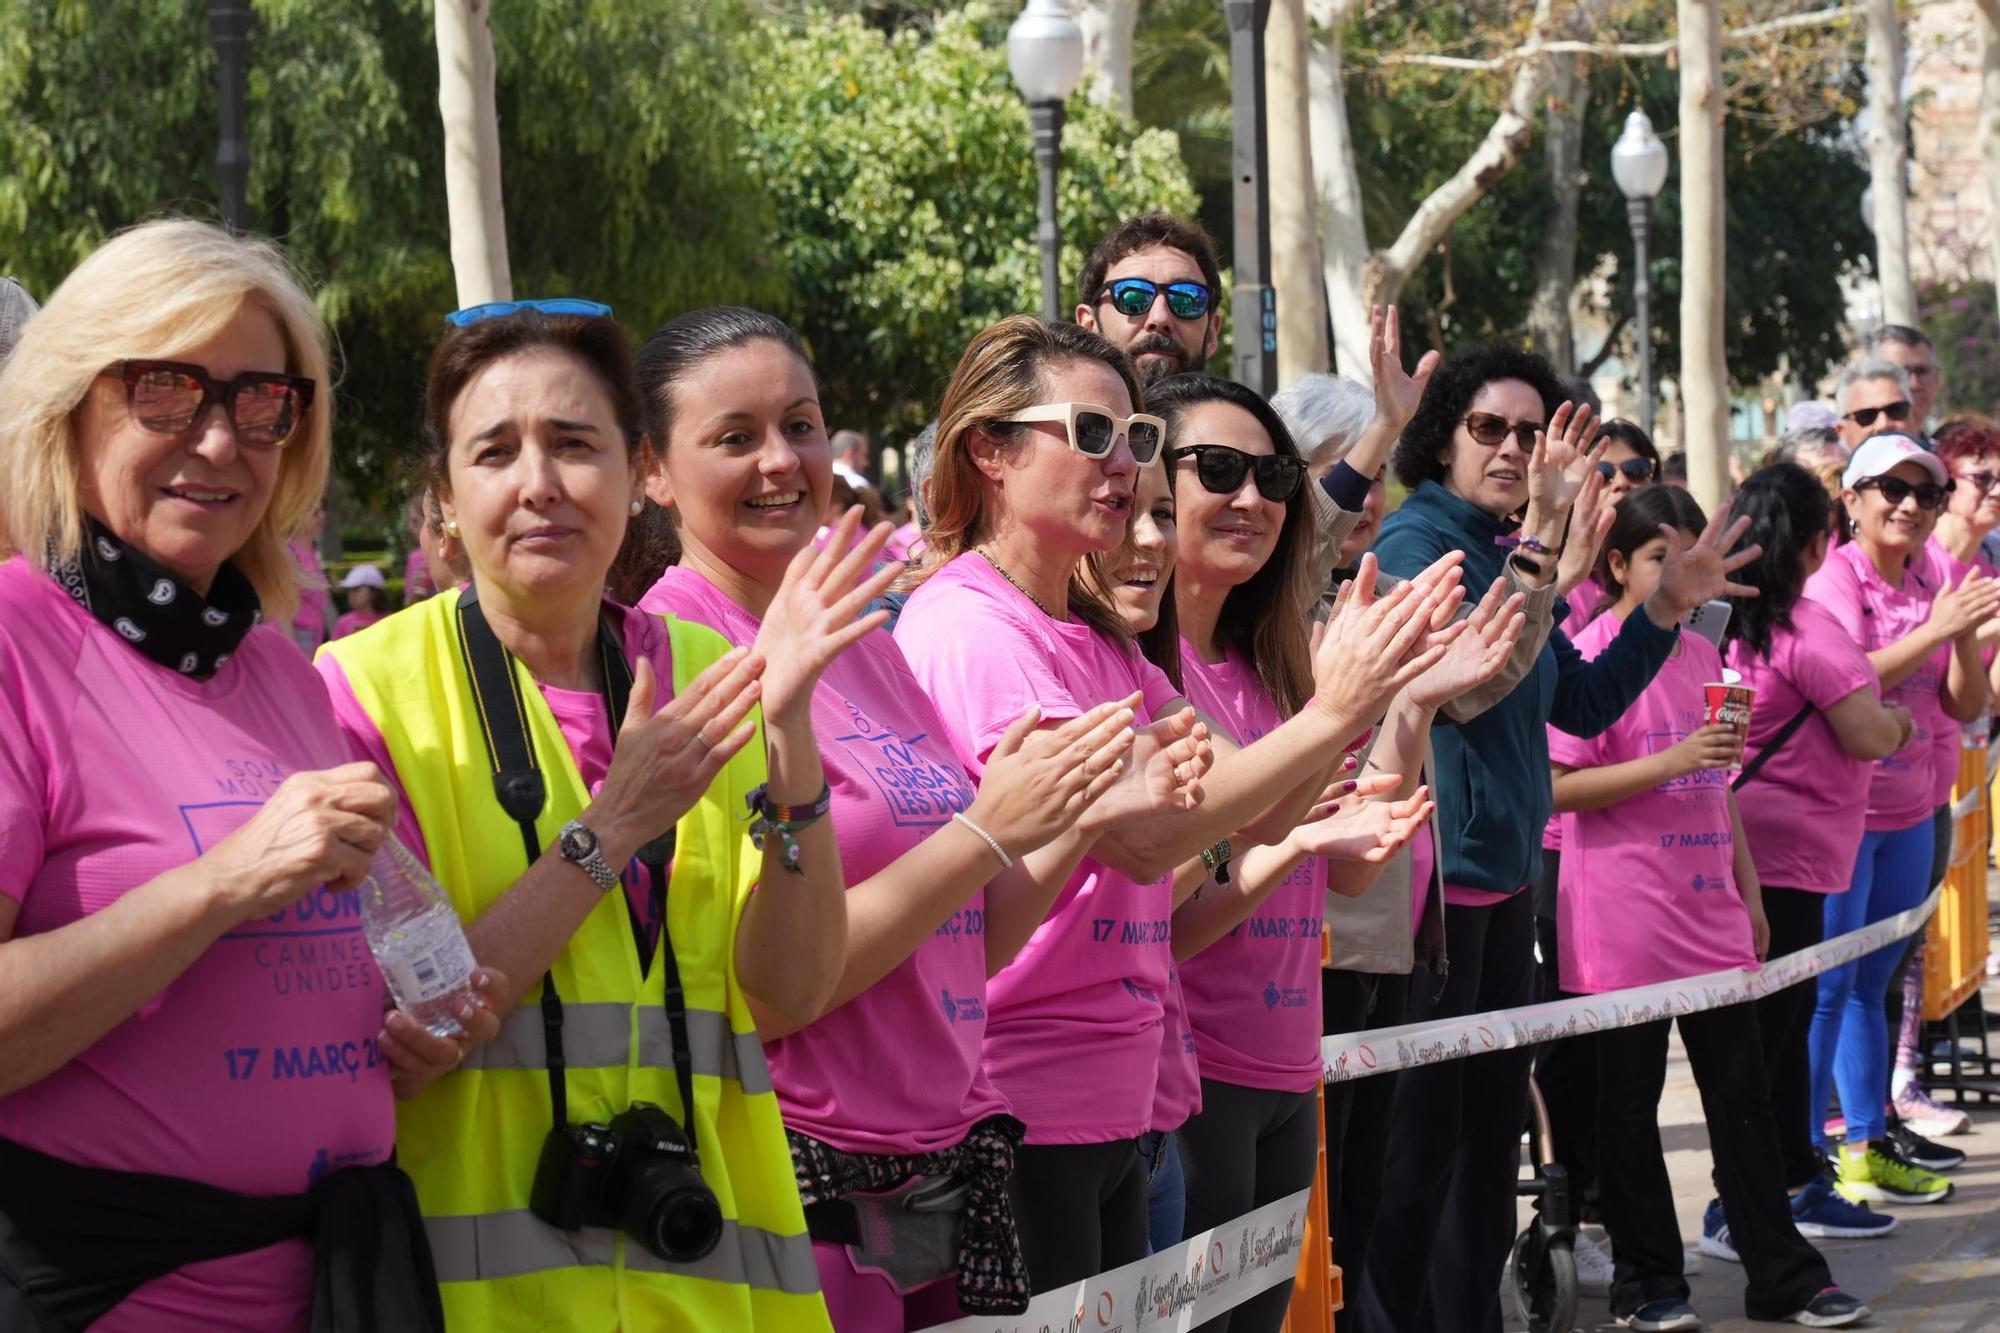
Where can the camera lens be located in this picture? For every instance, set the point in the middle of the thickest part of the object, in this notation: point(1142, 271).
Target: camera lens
point(672, 1212)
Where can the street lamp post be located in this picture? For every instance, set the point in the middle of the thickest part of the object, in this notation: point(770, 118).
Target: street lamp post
point(1254, 308)
point(229, 26)
point(1045, 51)
point(1639, 165)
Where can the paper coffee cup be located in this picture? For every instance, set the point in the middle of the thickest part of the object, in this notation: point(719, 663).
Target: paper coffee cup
point(1728, 704)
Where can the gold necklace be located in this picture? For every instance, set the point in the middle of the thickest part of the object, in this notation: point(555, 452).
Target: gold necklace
point(1001, 570)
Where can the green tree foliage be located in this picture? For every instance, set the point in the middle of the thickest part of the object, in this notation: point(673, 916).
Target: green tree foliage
point(905, 189)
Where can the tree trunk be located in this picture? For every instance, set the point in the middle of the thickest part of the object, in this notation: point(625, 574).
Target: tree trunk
point(1107, 49)
point(1989, 126)
point(1704, 384)
point(1343, 239)
point(471, 152)
point(1555, 265)
point(1510, 136)
point(1888, 153)
point(1295, 262)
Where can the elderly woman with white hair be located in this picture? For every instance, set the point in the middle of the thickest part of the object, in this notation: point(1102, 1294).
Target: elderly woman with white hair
point(192, 1049)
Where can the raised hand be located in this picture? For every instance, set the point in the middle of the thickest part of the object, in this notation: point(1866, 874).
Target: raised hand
point(1374, 646)
point(318, 828)
point(1564, 459)
point(1478, 654)
point(664, 760)
point(1371, 831)
point(1590, 520)
point(1396, 394)
point(1164, 772)
point(1038, 782)
point(816, 613)
point(1700, 573)
point(1964, 606)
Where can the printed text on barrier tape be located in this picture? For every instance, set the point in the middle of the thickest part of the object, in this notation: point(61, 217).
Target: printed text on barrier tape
point(1353, 1055)
point(1173, 1290)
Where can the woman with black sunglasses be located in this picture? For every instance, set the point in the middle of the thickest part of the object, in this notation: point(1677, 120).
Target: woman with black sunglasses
point(1916, 616)
point(1492, 435)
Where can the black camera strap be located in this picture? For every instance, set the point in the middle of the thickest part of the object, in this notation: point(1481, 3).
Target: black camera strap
point(522, 792)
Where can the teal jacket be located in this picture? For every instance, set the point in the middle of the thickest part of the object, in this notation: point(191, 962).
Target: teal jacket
point(1492, 772)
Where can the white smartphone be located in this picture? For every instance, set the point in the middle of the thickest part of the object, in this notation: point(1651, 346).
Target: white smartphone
point(1709, 620)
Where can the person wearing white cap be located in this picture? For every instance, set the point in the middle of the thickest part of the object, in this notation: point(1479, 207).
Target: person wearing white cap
point(367, 599)
point(1917, 624)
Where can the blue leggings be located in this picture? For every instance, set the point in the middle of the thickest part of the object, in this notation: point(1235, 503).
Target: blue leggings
point(1849, 1042)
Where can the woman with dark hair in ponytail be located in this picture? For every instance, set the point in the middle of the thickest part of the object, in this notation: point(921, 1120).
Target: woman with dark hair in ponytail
point(1819, 722)
point(1657, 884)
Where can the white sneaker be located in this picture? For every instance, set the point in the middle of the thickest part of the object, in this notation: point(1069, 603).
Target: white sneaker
point(1915, 1108)
point(1593, 1264)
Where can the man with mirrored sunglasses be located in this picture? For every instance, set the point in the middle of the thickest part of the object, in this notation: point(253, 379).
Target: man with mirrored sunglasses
point(1152, 286)
point(1874, 399)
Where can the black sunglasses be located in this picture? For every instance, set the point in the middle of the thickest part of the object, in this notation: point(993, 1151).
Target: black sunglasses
point(264, 407)
point(1895, 490)
point(1135, 296)
point(1638, 471)
point(1489, 430)
point(1221, 469)
point(1864, 417)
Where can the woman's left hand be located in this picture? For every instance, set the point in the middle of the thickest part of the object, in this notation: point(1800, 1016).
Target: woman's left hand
point(816, 614)
point(1692, 575)
point(1370, 831)
point(1760, 928)
point(417, 1059)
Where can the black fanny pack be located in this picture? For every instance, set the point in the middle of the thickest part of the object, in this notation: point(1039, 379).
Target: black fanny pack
point(77, 1240)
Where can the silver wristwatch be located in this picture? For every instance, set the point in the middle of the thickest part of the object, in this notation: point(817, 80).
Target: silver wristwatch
point(578, 845)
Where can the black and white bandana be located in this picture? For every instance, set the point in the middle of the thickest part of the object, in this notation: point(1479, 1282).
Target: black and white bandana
point(155, 612)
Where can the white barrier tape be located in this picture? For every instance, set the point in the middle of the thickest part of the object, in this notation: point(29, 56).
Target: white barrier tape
point(1173, 1290)
point(1968, 803)
point(1351, 1055)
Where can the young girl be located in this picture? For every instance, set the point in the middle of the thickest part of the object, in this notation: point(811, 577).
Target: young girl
point(1657, 884)
point(366, 590)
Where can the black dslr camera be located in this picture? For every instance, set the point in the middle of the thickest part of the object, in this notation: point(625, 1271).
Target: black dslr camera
point(639, 1174)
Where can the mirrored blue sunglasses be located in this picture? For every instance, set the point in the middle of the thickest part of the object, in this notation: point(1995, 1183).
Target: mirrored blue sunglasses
point(561, 305)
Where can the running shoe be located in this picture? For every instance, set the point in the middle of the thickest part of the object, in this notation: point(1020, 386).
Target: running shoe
point(1916, 1109)
point(1820, 1212)
point(1879, 1172)
point(1715, 1239)
point(1593, 1263)
point(1661, 1316)
point(1921, 1151)
point(1832, 1308)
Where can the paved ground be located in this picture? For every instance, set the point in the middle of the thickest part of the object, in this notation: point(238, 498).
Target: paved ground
point(1939, 1272)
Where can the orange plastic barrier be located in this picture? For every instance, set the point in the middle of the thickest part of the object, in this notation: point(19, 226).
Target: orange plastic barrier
point(1316, 1290)
point(1955, 949)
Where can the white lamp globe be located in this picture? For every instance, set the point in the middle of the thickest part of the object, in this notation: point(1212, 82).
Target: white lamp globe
point(1639, 159)
point(1045, 51)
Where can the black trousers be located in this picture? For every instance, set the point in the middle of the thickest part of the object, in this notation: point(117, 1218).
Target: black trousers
point(1566, 1070)
point(1727, 1057)
point(1080, 1208)
point(1447, 1218)
point(1357, 1121)
point(1247, 1147)
point(1798, 921)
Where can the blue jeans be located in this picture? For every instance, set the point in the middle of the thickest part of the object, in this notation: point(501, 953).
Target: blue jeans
point(1166, 1190)
point(1849, 1042)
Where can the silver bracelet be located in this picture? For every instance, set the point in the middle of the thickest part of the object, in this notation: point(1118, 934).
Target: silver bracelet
point(1006, 861)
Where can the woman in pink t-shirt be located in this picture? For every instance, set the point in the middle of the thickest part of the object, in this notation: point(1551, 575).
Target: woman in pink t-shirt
point(1804, 801)
point(188, 1006)
point(1918, 631)
point(1038, 448)
point(1658, 884)
point(945, 883)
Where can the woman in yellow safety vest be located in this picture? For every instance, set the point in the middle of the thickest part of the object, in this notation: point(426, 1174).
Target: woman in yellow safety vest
point(615, 1158)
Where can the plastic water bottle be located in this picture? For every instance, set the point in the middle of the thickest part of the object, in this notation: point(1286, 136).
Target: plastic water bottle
point(416, 939)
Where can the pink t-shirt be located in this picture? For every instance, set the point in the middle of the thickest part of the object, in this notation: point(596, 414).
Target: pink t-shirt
point(354, 621)
point(895, 782)
point(256, 1068)
point(1073, 1028)
point(1178, 1096)
point(1253, 995)
point(1584, 599)
point(1647, 891)
point(1902, 792)
point(1804, 811)
point(309, 621)
point(417, 583)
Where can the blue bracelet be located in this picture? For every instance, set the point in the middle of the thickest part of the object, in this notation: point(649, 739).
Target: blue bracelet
point(1520, 543)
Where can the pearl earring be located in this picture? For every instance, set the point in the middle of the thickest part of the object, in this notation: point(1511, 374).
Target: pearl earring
point(451, 527)
point(637, 506)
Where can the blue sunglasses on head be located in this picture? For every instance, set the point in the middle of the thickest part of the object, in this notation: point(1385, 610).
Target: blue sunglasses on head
point(561, 305)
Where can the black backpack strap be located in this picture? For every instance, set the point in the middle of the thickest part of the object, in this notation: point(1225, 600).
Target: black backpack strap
point(1771, 747)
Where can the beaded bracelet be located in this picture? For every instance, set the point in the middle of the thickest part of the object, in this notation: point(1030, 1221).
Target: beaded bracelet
point(769, 819)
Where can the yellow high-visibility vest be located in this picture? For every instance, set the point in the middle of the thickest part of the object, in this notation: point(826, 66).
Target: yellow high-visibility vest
point(471, 1141)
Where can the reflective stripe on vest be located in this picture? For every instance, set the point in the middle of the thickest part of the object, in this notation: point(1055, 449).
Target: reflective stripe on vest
point(501, 1245)
point(472, 1140)
point(600, 1035)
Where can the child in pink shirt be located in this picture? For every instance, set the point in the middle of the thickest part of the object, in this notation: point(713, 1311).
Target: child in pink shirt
point(1657, 884)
